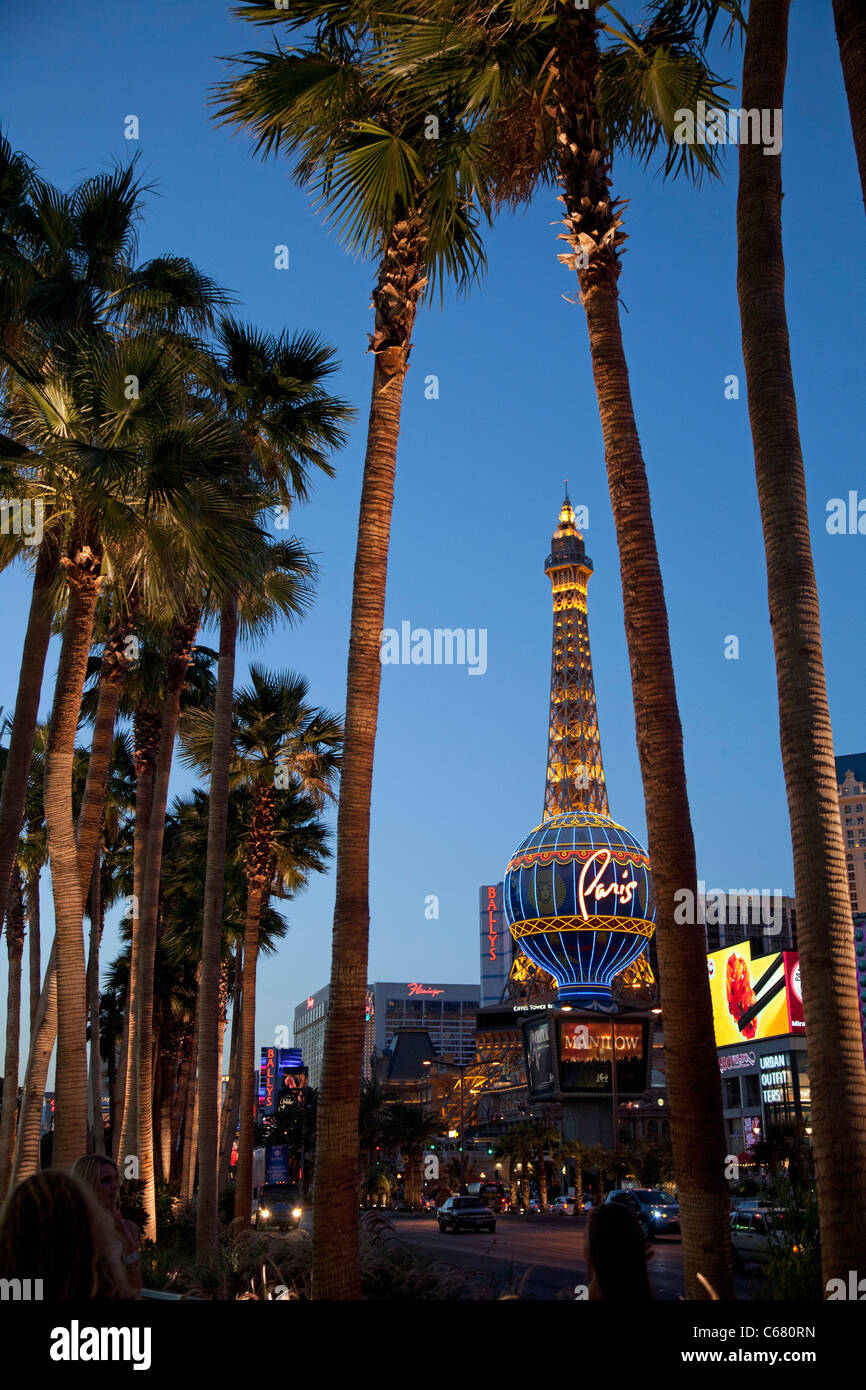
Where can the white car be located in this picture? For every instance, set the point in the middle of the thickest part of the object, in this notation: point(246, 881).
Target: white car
point(755, 1233)
point(564, 1205)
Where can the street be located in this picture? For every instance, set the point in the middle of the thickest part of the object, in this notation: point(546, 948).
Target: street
point(541, 1257)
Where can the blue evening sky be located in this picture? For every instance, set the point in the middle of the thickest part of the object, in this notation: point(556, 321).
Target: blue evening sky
point(460, 759)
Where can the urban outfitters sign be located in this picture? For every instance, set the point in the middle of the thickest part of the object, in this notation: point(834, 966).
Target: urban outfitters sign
point(775, 1075)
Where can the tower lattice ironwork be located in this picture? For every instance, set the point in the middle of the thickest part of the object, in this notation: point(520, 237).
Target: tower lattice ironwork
point(575, 775)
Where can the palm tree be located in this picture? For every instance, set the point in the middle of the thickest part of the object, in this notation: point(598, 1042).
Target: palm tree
point(824, 936)
point(411, 202)
point(273, 388)
point(109, 881)
point(560, 90)
point(409, 1127)
point(371, 1115)
point(109, 455)
point(279, 743)
point(15, 949)
point(851, 34)
point(538, 1135)
point(68, 272)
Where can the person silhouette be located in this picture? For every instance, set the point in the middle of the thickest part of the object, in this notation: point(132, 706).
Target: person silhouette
point(616, 1256)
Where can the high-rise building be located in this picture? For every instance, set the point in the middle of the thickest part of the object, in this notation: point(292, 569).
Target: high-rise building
point(851, 780)
point(446, 1011)
point(496, 943)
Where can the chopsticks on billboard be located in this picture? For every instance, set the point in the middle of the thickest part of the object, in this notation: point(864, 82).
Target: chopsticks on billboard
point(760, 1003)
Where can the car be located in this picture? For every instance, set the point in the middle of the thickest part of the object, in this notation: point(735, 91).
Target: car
point(563, 1205)
point(657, 1210)
point(756, 1232)
point(465, 1213)
point(278, 1207)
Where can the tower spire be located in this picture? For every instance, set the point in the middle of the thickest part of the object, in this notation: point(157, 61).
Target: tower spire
point(575, 775)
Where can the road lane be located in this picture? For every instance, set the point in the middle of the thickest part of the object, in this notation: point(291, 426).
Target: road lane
point(539, 1257)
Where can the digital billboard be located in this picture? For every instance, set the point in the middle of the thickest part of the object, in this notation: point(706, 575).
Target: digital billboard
point(539, 1056)
point(275, 1062)
point(586, 1048)
point(754, 999)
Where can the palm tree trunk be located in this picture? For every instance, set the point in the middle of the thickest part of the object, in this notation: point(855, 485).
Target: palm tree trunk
point(15, 949)
point(35, 944)
point(697, 1128)
point(542, 1180)
point(42, 1039)
point(229, 1115)
point(95, 1107)
point(336, 1273)
point(824, 930)
point(177, 1109)
point(43, 1027)
point(146, 737)
point(182, 642)
point(26, 714)
point(210, 1052)
point(111, 1080)
point(244, 1181)
point(70, 1132)
point(190, 1124)
point(850, 18)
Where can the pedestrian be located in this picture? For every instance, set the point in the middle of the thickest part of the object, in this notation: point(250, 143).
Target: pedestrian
point(99, 1173)
point(616, 1256)
point(54, 1233)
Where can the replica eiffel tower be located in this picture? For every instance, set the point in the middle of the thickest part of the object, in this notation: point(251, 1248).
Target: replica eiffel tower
point(575, 773)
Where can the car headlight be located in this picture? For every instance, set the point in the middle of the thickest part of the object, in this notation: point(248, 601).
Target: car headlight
point(656, 1212)
point(297, 1213)
point(264, 1211)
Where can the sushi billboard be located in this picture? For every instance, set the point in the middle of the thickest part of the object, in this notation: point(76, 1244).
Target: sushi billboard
point(754, 999)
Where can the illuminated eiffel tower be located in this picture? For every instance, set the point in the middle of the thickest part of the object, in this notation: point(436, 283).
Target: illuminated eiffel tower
point(575, 774)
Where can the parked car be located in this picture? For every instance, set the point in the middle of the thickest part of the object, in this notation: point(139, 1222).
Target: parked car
point(278, 1206)
point(756, 1232)
point(657, 1211)
point(465, 1213)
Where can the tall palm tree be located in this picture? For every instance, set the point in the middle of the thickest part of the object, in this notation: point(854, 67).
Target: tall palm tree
point(824, 936)
point(850, 18)
point(413, 204)
point(68, 271)
point(274, 389)
point(281, 746)
point(15, 949)
point(561, 88)
point(111, 455)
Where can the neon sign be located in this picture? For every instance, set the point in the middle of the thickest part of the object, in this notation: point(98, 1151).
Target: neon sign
point(623, 892)
point(422, 989)
point(491, 925)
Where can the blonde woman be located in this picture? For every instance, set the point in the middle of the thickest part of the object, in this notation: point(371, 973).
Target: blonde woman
point(99, 1173)
point(54, 1230)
